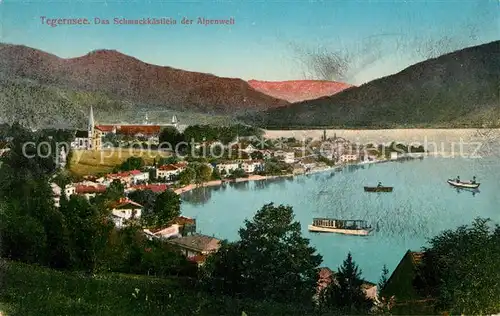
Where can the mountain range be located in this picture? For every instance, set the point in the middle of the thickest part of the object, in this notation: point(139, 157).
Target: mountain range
point(298, 90)
point(459, 89)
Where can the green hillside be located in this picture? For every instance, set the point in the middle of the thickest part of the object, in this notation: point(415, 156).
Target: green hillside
point(41, 106)
point(460, 89)
point(29, 290)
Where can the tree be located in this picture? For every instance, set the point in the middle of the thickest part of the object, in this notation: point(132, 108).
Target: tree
point(132, 163)
point(90, 229)
point(461, 268)
point(203, 173)
point(383, 278)
point(257, 155)
point(169, 160)
point(346, 292)
point(187, 176)
point(167, 207)
point(147, 199)
point(270, 261)
point(216, 174)
point(170, 135)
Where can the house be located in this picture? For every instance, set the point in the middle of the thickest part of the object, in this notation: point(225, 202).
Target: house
point(170, 171)
point(401, 282)
point(124, 210)
point(196, 247)
point(327, 276)
point(406, 286)
point(348, 158)
point(286, 156)
point(172, 231)
point(394, 155)
point(249, 149)
point(56, 193)
point(228, 167)
point(127, 177)
point(90, 190)
point(156, 188)
point(69, 190)
point(252, 166)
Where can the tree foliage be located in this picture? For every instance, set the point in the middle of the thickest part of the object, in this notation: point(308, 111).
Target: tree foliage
point(132, 163)
point(187, 176)
point(345, 293)
point(270, 261)
point(461, 268)
point(167, 207)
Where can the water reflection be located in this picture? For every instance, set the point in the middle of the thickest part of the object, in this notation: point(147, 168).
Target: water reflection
point(198, 195)
point(467, 191)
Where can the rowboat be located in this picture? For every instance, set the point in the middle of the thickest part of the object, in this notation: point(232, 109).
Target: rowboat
point(465, 185)
point(339, 226)
point(378, 189)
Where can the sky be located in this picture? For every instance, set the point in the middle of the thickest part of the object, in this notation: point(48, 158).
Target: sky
point(270, 40)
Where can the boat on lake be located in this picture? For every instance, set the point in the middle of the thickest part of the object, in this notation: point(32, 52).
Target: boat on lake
point(464, 185)
point(378, 189)
point(340, 226)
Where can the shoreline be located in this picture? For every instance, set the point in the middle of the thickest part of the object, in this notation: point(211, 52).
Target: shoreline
point(213, 183)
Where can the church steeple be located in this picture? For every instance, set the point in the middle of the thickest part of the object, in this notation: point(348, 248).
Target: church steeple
point(91, 120)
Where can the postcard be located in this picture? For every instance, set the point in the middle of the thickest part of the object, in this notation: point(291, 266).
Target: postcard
point(249, 157)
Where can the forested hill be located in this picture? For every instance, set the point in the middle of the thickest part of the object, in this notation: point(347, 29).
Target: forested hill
point(460, 89)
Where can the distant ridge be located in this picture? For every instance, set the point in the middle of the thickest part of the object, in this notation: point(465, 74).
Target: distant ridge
point(124, 78)
point(459, 89)
point(298, 90)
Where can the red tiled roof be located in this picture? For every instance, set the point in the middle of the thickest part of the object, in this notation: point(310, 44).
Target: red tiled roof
point(124, 174)
point(138, 129)
point(123, 202)
point(157, 188)
point(105, 128)
point(198, 258)
point(82, 189)
point(168, 168)
point(183, 220)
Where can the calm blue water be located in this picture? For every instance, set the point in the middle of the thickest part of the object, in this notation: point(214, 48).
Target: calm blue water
point(421, 206)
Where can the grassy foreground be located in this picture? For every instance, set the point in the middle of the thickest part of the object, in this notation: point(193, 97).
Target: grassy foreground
point(30, 290)
point(92, 162)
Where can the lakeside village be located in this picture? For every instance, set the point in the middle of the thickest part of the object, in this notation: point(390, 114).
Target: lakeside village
point(244, 161)
point(136, 180)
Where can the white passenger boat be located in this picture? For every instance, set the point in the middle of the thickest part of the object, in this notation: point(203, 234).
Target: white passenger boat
point(340, 226)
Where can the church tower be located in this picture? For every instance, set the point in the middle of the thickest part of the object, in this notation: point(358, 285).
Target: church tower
point(175, 121)
point(90, 129)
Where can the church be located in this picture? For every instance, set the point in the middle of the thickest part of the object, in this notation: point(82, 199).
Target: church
point(91, 139)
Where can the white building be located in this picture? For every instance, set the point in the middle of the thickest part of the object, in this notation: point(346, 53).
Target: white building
point(286, 156)
point(164, 233)
point(252, 166)
point(69, 190)
point(394, 155)
point(169, 171)
point(348, 158)
point(125, 210)
point(228, 167)
point(56, 193)
point(249, 149)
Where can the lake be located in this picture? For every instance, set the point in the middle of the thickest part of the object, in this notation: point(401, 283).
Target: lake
point(421, 206)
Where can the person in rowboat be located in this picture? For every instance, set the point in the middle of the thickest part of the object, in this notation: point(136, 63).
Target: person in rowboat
point(457, 180)
point(473, 180)
point(379, 185)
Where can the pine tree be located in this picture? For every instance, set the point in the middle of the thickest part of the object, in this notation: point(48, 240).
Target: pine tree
point(383, 279)
point(345, 292)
